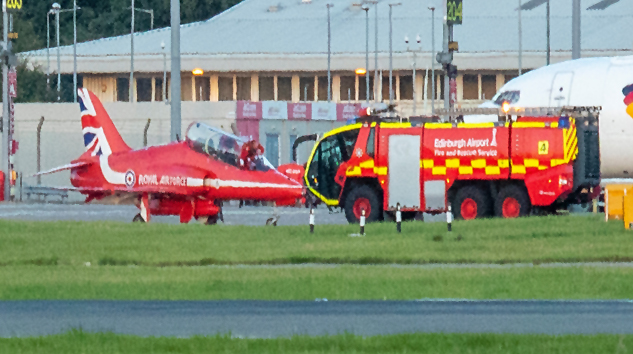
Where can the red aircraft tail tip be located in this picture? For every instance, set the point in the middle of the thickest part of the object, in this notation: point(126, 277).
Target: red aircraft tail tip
point(100, 134)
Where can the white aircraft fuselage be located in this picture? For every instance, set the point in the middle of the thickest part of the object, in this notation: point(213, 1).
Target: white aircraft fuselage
point(583, 82)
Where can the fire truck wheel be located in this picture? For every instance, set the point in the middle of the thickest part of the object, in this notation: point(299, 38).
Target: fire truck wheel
point(362, 198)
point(512, 202)
point(470, 203)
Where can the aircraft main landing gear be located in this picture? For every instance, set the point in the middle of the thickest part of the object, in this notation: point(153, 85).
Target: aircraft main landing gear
point(138, 218)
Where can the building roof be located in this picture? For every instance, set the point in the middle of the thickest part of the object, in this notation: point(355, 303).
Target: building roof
point(272, 35)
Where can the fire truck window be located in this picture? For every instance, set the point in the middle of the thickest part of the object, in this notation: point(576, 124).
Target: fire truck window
point(370, 143)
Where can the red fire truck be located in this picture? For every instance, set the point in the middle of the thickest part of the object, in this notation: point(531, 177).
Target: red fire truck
point(546, 158)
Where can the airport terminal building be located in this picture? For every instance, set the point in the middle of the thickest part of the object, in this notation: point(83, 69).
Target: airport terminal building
point(270, 58)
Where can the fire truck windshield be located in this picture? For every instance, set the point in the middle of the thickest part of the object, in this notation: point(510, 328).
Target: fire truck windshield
point(327, 157)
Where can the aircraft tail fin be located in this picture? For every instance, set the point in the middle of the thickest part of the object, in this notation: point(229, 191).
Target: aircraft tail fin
point(100, 135)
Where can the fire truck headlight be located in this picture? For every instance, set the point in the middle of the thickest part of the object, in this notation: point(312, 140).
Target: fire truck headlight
point(562, 181)
point(506, 107)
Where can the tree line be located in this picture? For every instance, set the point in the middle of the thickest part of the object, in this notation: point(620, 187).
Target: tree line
point(95, 19)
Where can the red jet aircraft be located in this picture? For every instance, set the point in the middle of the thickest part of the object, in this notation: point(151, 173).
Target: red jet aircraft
point(188, 178)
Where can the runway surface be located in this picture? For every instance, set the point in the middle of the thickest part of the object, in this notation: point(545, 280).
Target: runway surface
point(265, 319)
point(254, 216)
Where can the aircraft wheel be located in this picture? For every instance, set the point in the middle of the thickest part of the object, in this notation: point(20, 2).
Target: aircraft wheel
point(512, 202)
point(138, 218)
point(471, 203)
point(212, 220)
point(271, 221)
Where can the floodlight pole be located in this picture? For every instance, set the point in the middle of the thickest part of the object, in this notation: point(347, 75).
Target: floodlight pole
point(391, 52)
point(48, 54)
point(75, 51)
point(432, 60)
point(548, 33)
point(131, 84)
point(575, 30)
point(6, 144)
point(329, 54)
point(175, 70)
point(376, 56)
point(366, 8)
point(520, 42)
point(59, 75)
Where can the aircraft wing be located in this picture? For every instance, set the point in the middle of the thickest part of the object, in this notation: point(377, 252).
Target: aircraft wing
point(62, 168)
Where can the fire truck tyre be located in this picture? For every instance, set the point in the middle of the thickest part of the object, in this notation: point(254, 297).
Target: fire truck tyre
point(512, 202)
point(362, 198)
point(471, 203)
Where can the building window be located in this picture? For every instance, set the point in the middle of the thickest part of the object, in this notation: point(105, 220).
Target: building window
point(348, 88)
point(266, 88)
point(244, 88)
point(406, 87)
point(323, 89)
point(225, 88)
point(307, 88)
point(385, 87)
point(203, 88)
point(272, 149)
point(471, 87)
point(488, 86)
point(143, 90)
point(440, 83)
point(284, 88)
point(122, 89)
point(158, 89)
point(362, 88)
point(292, 140)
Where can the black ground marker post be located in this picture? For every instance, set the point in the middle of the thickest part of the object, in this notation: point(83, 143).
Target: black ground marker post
point(449, 218)
point(398, 218)
point(311, 220)
point(362, 222)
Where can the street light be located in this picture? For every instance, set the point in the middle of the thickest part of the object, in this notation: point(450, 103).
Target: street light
point(329, 54)
point(432, 60)
point(131, 83)
point(147, 11)
point(391, 52)
point(414, 51)
point(56, 9)
point(366, 8)
point(162, 46)
point(48, 45)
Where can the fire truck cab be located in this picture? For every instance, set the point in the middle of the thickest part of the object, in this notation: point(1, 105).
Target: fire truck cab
point(505, 168)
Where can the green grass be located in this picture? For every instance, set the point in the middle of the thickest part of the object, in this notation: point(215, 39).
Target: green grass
point(348, 282)
point(80, 342)
point(537, 239)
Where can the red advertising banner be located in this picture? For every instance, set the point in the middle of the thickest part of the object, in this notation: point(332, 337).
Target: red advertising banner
point(345, 111)
point(299, 111)
point(248, 110)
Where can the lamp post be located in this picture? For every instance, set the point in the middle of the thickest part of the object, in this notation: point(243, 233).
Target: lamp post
point(432, 60)
point(366, 8)
point(329, 54)
point(75, 51)
point(414, 51)
point(162, 46)
point(520, 42)
point(376, 55)
point(391, 52)
point(56, 10)
point(131, 84)
point(48, 46)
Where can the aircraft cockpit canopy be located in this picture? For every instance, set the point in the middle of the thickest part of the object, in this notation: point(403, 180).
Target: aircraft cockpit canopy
point(221, 145)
